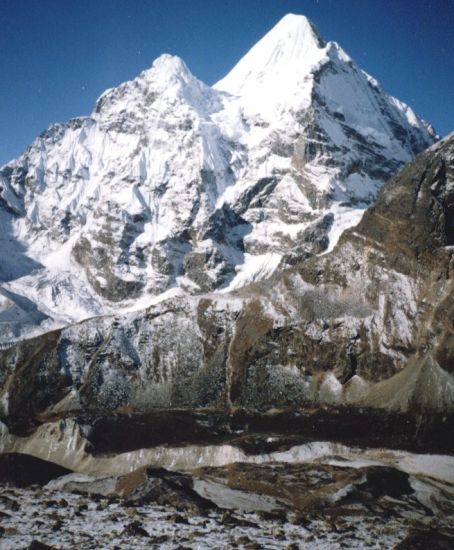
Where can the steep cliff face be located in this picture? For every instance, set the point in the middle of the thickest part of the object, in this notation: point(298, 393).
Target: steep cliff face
point(364, 324)
point(173, 186)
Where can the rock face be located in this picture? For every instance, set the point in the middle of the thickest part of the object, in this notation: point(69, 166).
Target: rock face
point(326, 330)
point(172, 186)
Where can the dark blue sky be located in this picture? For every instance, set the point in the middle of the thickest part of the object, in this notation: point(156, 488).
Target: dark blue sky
point(57, 56)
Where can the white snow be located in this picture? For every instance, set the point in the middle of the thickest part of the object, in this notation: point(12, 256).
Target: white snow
point(254, 268)
point(344, 218)
point(225, 497)
point(280, 63)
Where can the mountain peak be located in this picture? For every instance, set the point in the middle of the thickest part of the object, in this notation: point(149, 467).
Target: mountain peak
point(168, 69)
point(171, 65)
point(284, 55)
point(167, 74)
point(295, 27)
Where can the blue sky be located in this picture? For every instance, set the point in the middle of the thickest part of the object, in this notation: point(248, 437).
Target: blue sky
point(57, 56)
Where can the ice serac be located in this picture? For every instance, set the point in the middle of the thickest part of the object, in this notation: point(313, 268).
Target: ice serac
point(172, 186)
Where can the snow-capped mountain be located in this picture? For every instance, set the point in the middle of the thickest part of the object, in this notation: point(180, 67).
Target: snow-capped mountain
point(171, 186)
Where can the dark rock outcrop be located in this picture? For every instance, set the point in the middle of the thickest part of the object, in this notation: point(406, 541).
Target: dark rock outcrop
point(23, 470)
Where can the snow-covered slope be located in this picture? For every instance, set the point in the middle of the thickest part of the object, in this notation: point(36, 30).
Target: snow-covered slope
point(171, 184)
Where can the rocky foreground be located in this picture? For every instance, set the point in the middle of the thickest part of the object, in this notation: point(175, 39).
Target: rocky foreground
point(329, 503)
point(198, 480)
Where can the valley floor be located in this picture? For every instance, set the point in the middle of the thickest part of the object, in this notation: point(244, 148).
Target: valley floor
point(320, 495)
point(66, 520)
point(216, 480)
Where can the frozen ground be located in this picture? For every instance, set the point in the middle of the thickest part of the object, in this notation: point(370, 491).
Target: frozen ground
point(68, 520)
